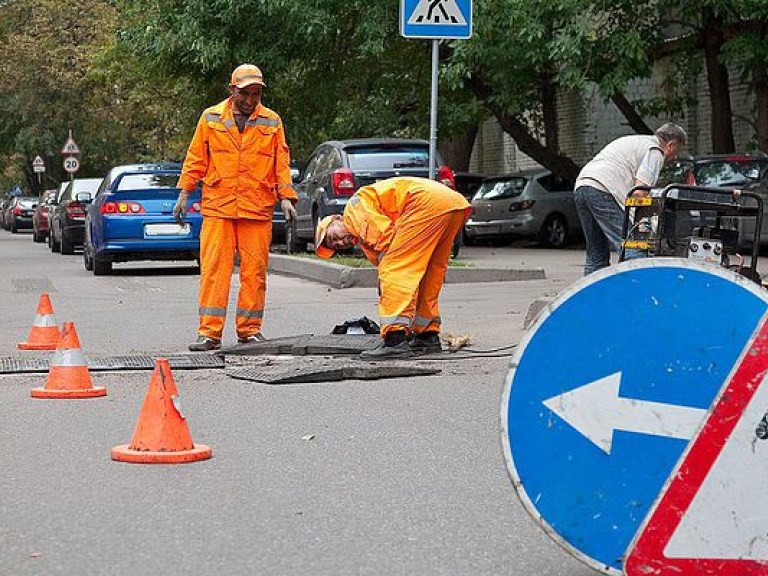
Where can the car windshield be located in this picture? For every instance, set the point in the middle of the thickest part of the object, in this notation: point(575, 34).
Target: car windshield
point(497, 189)
point(388, 157)
point(27, 201)
point(728, 171)
point(147, 181)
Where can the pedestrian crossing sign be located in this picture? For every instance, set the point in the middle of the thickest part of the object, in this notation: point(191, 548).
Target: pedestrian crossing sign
point(436, 19)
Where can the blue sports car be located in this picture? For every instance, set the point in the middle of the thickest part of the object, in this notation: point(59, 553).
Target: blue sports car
point(131, 218)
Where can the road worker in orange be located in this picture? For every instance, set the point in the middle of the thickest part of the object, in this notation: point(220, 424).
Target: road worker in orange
point(406, 227)
point(240, 154)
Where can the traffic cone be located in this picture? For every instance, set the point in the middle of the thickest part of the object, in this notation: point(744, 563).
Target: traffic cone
point(68, 375)
point(44, 334)
point(161, 435)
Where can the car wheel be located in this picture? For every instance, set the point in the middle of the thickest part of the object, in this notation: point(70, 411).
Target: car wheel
point(293, 244)
point(101, 266)
point(14, 228)
point(37, 236)
point(66, 246)
point(55, 246)
point(554, 231)
point(467, 240)
point(87, 259)
point(456, 246)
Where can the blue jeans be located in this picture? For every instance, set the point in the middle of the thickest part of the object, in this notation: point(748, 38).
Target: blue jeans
point(602, 220)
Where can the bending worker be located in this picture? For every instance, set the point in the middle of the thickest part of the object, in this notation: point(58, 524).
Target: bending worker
point(406, 227)
point(240, 154)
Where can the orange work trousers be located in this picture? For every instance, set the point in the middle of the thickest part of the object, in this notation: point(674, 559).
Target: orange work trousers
point(412, 272)
point(219, 238)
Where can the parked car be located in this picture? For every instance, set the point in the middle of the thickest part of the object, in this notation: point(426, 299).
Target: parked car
point(67, 219)
point(131, 218)
point(534, 204)
point(40, 215)
point(468, 183)
point(337, 168)
point(62, 189)
point(18, 215)
point(4, 206)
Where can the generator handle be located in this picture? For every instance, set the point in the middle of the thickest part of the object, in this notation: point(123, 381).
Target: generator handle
point(625, 225)
point(735, 193)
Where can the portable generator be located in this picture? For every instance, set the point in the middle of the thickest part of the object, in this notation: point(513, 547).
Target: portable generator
point(695, 222)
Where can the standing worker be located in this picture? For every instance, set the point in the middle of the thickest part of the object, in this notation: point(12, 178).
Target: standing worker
point(240, 154)
point(605, 181)
point(406, 227)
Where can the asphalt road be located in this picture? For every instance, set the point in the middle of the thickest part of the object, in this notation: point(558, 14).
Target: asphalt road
point(398, 476)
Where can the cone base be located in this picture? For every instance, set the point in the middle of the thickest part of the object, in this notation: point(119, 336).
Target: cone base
point(124, 453)
point(94, 392)
point(34, 346)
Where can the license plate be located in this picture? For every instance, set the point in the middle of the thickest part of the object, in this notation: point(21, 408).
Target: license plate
point(167, 230)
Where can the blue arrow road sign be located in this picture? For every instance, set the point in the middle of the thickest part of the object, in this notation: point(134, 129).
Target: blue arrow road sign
point(609, 386)
point(436, 19)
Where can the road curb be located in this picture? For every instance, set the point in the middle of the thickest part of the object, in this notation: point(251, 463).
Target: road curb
point(346, 277)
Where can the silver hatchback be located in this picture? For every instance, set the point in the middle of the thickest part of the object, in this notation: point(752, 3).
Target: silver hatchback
point(534, 204)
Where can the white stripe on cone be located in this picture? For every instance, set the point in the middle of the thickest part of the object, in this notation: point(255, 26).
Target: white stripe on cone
point(69, 357)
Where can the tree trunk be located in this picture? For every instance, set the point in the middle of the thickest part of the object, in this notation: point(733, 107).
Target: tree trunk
point(760, 79)
point(634, 119)
point(548, 157)
point(549, 115)
point(719, 86)
point(457, 150)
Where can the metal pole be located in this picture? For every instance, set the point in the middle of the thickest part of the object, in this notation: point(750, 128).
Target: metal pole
point(433, 111)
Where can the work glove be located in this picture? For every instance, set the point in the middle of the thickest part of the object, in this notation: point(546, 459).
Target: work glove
point(288, 210)
point(180, 209)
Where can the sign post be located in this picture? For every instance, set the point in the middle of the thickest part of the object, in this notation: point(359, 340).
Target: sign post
point(436, 20)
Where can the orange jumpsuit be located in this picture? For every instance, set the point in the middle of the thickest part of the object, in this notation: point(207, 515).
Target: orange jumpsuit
point(243, 174)
point(406, 226)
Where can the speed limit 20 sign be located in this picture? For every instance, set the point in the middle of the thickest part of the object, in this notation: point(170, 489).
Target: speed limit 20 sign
point(71, 164)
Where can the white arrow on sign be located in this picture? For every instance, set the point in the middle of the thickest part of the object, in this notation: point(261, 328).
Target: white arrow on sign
point(595, 410)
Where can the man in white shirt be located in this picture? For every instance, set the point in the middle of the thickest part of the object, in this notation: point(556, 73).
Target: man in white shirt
point(605, 181)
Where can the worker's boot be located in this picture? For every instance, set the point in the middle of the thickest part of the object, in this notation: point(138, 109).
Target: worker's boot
point(426, 343)
point(204, 344)
point(394, 345)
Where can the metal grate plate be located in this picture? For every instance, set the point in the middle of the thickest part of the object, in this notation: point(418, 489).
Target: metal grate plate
point(307, 344)
point(10, 365)
point(32, 285)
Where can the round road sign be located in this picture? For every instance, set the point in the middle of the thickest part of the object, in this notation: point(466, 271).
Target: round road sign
point(71, 164)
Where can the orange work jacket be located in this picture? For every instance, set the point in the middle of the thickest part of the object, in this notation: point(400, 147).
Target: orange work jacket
point(374, 212)
point(242, 174)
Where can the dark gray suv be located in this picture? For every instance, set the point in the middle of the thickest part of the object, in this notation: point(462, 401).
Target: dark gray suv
point(337, 168)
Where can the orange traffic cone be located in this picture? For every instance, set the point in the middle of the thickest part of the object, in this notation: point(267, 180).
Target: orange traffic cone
point(44, 334)
point(68, 375)
point(161, 435)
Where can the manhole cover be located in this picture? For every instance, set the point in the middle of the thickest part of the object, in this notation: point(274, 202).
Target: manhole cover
point(307, 344)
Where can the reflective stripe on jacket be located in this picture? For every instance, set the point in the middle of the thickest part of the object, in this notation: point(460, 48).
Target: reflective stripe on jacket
point(242, 174)
point(372, 214)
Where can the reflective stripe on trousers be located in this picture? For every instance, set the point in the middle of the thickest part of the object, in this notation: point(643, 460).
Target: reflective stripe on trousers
point(219, 239)
point(412, 272)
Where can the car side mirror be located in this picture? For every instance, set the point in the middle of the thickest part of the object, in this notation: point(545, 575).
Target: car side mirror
point(83, 197)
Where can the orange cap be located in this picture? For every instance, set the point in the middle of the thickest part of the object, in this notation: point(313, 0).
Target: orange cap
point(245, 75)
point(321, 249)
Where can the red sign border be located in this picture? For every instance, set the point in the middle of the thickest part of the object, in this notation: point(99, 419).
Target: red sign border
point(646, 555)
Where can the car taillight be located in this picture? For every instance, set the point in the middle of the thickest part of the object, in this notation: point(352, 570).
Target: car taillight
point(17, 211)
point(343, 182)
point(524, 205)
point(75, 210)
point(445, 176)
point(121, 208)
